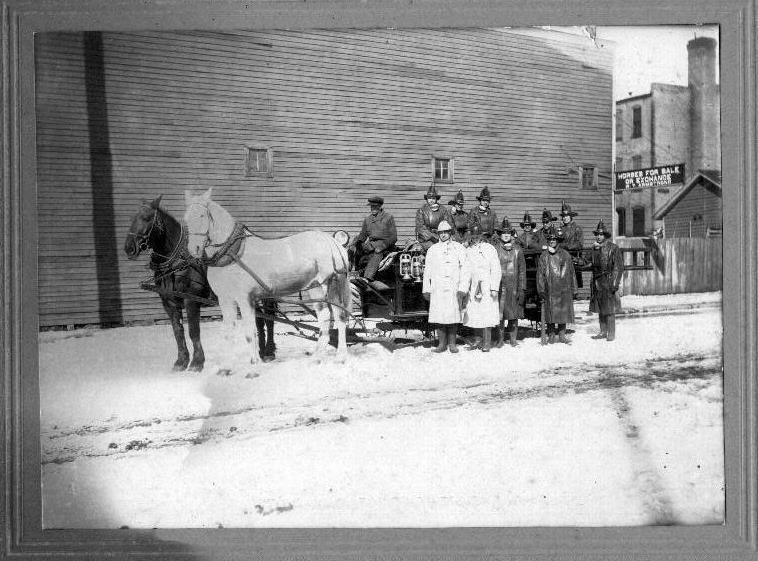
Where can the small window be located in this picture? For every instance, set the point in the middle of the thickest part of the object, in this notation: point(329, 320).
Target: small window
point(259, 161)
point(442, 170)
point(636, 121)
point(638, 221)
point(636, 162)
point(619, 163)
point(589, 177)
point(619, 125)
point(621, 221)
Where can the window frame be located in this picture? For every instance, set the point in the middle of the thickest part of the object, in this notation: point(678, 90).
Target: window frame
point(619, 125)
point(594, 182)
point(639, 209)
point(637, 121)
point(621, 221)
point(450, 168)
point(259, 149)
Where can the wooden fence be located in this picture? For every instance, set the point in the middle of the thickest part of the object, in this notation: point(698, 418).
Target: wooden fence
point(679, 265)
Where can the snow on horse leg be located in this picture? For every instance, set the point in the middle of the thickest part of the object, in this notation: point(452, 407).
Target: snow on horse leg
point(229, 331)
point(249, 328)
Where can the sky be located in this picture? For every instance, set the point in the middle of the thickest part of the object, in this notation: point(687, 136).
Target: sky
point(652, 54)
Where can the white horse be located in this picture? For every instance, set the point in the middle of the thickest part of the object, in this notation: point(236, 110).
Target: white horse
point(254, 268)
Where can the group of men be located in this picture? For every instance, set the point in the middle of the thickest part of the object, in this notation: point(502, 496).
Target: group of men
point(475, 270)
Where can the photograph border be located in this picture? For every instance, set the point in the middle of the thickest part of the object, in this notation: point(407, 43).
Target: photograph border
point(20, 493)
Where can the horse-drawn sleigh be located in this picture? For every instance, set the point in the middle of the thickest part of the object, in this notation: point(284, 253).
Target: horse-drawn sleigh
point(201, 262)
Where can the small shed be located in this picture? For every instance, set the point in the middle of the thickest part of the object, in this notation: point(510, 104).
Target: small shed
point(696, 210)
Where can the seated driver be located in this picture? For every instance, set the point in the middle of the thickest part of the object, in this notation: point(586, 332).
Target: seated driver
point(378, 236)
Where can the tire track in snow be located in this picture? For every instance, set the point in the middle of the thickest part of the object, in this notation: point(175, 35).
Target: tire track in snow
point(647, 480)
point(119, 439)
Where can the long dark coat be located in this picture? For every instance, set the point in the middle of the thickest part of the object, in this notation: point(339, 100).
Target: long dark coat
point(556, 284)
point(380, 230)
point(573, 237)
point(460, 225)
point(427, 221)
point(607, 271)
point(529, 240)
point(487, 221)
point(512, 281)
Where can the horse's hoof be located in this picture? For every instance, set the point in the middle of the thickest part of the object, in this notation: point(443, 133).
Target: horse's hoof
point(224, 372)
point(268, 358)
point(195, 368)
point(180, 366)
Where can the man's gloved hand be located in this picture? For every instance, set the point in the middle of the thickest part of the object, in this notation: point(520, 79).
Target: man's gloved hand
point(494, 293)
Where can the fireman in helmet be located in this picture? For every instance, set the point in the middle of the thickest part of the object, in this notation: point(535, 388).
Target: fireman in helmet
point(607, 271)
point(547, 222)
point(556, 287)
point(573, 239)
point(484, 216)
point(428, 218)
point(460, 219)
point(528, 239)
point(445, 286)
point(482, 308)
point(512, 283)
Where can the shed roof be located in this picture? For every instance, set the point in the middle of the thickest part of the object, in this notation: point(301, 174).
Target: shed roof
point(710, 176)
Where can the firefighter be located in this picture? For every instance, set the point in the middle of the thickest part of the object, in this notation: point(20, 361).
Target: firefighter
point(428, 218)
point(573, 239)
point(528, 239)
point(556, 287)
point(445, 286)
point(459, 218)
point(607, 270)
point(482, 309)
point(547, 222)
point(484, 216)
point(377, 237)
point(512, 283)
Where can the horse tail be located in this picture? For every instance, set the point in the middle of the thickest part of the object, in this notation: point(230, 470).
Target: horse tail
point(341, 269)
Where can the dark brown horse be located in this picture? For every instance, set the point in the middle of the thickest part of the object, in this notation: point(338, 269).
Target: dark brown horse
point(181, 282)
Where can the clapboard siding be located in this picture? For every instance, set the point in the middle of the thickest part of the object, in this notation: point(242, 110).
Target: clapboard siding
point(348, 114)
point(703, 201)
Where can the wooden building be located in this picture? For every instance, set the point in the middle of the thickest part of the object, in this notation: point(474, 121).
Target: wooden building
point(696, 211)
point(294, 130)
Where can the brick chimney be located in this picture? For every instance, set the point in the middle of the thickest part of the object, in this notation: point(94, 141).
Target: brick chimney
point(705, 142)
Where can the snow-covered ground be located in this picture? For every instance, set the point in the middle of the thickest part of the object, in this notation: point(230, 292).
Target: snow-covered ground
point(588, 434)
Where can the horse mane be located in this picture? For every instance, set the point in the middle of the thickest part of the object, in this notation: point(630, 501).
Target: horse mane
point(221, 222)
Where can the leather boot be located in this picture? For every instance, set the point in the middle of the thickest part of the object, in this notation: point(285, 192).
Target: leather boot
point(452, 334)
point(562, 334)
point(513, 329)
point(487, 340)
point(603, 328)
point(551, 338)
point(611, 327)
point(442, 342)
point(500, 336)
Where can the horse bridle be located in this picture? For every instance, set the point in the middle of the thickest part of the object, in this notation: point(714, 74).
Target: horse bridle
point(206, 234)
point(142, 239)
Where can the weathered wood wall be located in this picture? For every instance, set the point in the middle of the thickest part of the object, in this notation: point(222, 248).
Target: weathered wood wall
point(695, 212)
point(348, 114)
point(680, 265)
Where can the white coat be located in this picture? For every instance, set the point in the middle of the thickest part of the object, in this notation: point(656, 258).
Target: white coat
point(485, 277)
point(445, 273)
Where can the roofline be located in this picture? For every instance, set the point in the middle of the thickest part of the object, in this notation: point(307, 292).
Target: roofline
point(671, 203)
point(640, 96)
